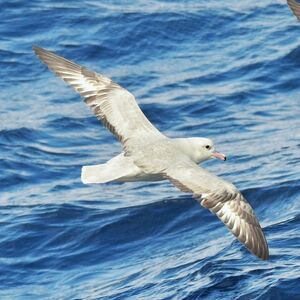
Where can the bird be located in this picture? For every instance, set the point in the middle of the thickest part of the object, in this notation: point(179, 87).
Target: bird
point(149, 155)
point(295, 7)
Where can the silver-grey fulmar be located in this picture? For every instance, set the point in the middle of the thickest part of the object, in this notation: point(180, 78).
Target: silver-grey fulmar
point(150, 155)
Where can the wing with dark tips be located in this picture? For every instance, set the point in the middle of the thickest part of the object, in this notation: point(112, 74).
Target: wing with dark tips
point(112, 104)
point(225, 201)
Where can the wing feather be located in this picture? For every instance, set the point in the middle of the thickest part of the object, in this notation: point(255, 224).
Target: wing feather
point(295, 7)
point(112, 104)
point(225, 201)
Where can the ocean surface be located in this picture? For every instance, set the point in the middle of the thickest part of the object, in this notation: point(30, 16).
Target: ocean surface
point(227, 70)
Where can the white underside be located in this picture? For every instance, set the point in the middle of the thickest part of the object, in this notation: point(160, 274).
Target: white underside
point(120, 168)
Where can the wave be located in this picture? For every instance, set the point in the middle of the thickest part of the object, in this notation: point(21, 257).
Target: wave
point(200, 69)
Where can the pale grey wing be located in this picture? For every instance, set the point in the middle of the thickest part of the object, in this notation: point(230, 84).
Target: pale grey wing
point(295, 7)
point(223, 199)
point(112, 104)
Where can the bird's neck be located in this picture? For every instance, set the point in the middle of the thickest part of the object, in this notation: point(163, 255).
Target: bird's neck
point(190, 148)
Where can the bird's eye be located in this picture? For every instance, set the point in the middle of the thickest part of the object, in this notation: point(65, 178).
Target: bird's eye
point(208, 147)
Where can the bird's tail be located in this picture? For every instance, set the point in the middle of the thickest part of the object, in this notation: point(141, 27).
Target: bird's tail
point(95, 174)
point(116, 169)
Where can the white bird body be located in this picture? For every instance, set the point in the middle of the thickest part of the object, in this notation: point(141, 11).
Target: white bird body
point(123, 168)
point(148, 155)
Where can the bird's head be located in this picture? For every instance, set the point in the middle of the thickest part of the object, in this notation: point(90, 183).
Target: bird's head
point(203, 149)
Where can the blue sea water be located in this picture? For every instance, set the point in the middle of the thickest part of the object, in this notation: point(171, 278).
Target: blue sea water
point(228, 70)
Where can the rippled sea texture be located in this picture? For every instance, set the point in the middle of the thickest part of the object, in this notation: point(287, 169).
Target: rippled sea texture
point(228, 70)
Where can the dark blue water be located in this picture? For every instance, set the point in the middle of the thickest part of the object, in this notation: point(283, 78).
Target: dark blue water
point(228, 70)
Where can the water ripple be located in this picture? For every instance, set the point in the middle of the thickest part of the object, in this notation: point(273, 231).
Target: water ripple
point(229, 72)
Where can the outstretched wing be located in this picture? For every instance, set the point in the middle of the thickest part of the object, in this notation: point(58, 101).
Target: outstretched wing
point(112, 104)
point(223, 199)
point(295, 7)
